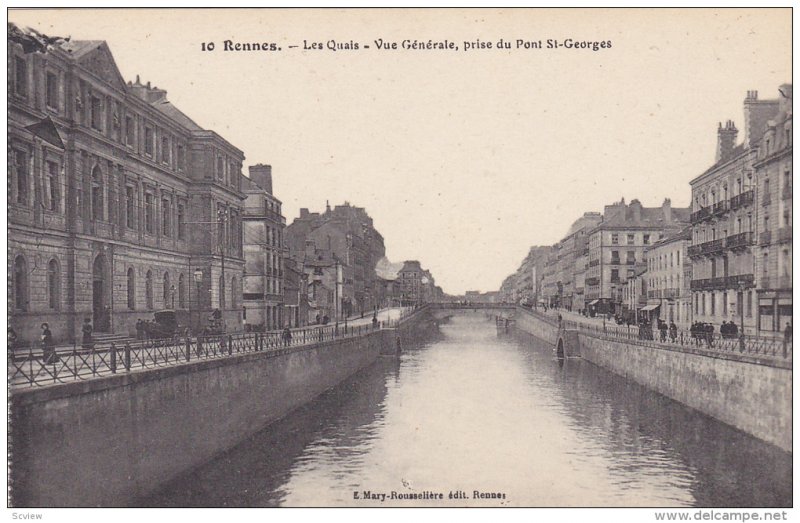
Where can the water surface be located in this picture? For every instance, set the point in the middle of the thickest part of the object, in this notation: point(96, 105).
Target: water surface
point(480, 410)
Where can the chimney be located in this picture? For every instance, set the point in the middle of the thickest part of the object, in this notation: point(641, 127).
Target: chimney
point(262, 176)
point(636, 210)
point(327, 206)
point(726, 141)
point(756, 115)
point(666, 207)
point(304, 213)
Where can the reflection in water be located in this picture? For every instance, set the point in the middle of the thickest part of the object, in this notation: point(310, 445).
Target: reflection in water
point(478, 409)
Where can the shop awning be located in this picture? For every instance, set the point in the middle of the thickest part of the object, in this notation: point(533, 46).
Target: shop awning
point(593, 302)
point(650, 307)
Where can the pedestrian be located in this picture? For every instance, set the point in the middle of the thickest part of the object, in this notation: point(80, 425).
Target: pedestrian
point(374, 321)
point(673, 331)
point(139, 329)
point(87, 330)
point(787, 333)
point(287, 336)
point(662, 328)
point(12, 338)
point(709, 331)
point(48, 347)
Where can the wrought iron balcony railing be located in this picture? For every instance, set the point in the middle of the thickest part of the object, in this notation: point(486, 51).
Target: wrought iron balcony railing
point(700, 215)
point(737, 241)
point(741, 200)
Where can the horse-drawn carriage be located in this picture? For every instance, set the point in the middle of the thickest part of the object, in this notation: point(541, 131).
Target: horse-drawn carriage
point(166, 324)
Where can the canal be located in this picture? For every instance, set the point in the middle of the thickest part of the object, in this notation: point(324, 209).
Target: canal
point(477, 410)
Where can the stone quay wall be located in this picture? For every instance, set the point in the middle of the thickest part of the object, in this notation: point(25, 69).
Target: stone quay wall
point(111, 440)
point(751, 394)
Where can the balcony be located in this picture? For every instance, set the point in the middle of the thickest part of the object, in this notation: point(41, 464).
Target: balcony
point(713, 247)
point(703, 214)
point(694, 250)
point(746, 280)
point(724, 282)
point(592, 281)
point(630, 262)
point(765, 238)
point(592, 263)
point(615, 261)
point(720, 208)
point(741, 200)
point(785, 234)
point(739, 241)
point(766, 199)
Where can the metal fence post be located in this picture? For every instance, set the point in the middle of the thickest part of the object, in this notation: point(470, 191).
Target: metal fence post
point(188, 349)
point(230, 345)
point(127, 357)
point(113, 359)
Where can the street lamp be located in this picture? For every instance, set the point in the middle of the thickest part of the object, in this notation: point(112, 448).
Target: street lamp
point(741, 315)
point(198, 279)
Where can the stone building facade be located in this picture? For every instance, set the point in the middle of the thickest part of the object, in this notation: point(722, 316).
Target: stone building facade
point(264, 253)
point(773, 166)
point(617, 245)
point(107, 180)
point(727, 205)
point(669, 275)
point(348, 233)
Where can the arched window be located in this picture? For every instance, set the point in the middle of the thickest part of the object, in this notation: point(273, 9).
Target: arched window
point(53, 284)
point(234, 302)
point(131, 289)
point(181, 292)
point(97, 193)
point(166, 292)
point(221, 292)
point(20, 286)
point(148, 289)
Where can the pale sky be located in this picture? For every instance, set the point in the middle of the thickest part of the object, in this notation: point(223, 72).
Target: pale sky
point(463, 159)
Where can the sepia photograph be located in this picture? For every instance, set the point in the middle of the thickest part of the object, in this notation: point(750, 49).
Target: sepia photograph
point(400, 258)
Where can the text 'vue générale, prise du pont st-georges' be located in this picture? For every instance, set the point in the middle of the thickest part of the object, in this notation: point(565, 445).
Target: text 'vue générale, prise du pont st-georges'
point(412, 45)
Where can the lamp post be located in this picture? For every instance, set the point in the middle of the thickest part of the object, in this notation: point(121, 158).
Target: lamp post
point(198, 279)
point(741, 315)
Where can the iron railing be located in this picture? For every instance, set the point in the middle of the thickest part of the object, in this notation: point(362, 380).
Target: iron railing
point(766, 348)
point(700, 215)
point(769, 348)
point(740, 200)
point(33, 367)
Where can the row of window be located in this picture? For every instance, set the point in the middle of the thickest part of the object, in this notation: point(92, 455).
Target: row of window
point(172, 295)
point(673, 282)
point(53, 190)
point(630, 239)
point(108, 116)
point(20, 288)
point(707, 303)
point(663, 261)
